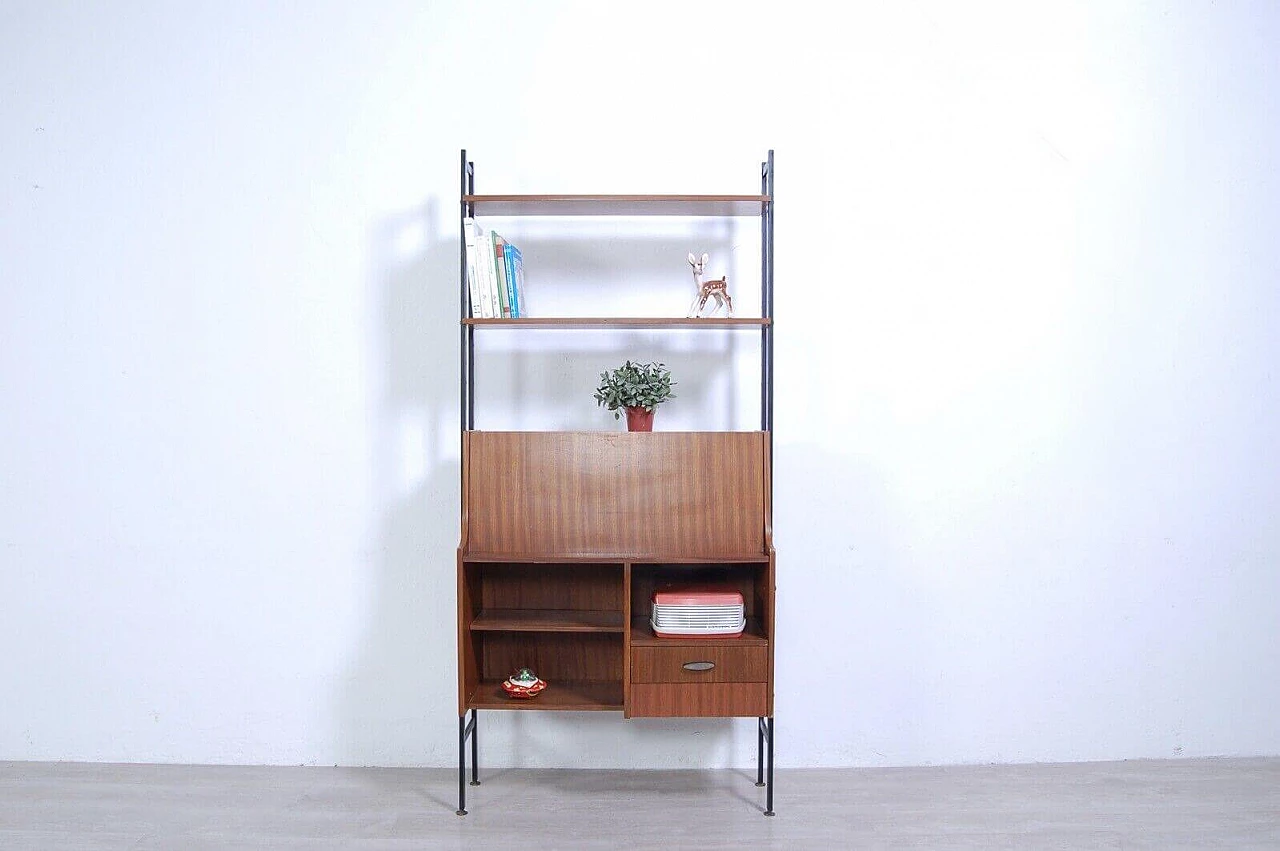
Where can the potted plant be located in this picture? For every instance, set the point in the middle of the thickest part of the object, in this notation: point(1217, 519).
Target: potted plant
point(637, 388)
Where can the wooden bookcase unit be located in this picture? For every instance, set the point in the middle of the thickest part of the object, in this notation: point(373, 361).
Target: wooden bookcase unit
point(566, 535)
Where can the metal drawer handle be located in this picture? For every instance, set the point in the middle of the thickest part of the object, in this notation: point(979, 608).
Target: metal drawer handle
point(698, 666)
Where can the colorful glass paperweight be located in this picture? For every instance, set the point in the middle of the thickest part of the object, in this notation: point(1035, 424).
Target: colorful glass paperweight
point(524, 684)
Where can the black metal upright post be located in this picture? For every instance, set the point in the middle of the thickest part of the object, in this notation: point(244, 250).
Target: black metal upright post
point(466, 417)
point(466, 727)
point(768, 792)
point(464, 300)
point(764, 733)
point(764, 725)
point(475, 747)
point(766, 205)
point(766, 299)
point(462, 764)
point(759, 751)
point(467, 340)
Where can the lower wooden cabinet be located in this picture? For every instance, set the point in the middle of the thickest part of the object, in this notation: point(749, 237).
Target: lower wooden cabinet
point(565, 545)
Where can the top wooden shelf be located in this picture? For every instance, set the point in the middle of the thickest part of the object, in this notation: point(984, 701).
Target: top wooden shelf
point(617, 205)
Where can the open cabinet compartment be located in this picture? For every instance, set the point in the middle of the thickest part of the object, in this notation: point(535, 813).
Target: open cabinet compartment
point(749, 578)
point(564, 621)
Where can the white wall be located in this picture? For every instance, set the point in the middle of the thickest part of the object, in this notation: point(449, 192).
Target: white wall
point(1026, 459)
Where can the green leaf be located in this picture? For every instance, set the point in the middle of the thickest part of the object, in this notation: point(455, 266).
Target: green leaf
point(645, 385)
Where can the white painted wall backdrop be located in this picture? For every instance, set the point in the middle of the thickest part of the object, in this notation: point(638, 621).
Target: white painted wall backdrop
point(1026, 456)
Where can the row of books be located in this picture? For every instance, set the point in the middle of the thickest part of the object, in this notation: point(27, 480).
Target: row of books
point(495, 274)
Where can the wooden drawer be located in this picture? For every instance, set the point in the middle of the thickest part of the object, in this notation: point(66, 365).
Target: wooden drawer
point(699, 700)
point(727, 664)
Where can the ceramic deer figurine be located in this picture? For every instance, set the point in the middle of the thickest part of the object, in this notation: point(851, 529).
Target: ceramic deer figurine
point(717, 289)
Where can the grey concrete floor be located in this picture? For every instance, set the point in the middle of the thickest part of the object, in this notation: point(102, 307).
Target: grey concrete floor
point(1201, 804)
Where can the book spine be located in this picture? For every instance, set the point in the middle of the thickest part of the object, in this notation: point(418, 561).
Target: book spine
point(483, 273)
point(509, 264)
point(519, 279)
point(500, 275)
point(493, 309)
point(473, 281)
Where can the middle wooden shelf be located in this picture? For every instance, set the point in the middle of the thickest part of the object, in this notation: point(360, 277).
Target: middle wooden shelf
point(548, 620)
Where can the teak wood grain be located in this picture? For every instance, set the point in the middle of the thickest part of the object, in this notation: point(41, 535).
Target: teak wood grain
point(610, 494)
point(698, 700)
point(616, 205)
point(468, 653)
point(748, 664)
point(564, 695)
point(547, 620)
point(556, 586)
point(554, 656)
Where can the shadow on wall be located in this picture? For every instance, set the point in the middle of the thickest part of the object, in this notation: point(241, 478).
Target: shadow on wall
point(396, 703)
point(398, 700)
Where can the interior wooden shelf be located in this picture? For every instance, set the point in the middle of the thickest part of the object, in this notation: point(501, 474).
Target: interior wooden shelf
point(746, 558)
point(593, 696)
point(616, 205)
point(547, 620)
point(642, 636)
point(622, 322)
point(612, 559)
point(544, 558)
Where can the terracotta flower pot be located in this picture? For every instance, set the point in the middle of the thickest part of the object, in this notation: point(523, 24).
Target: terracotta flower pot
point(638, 419)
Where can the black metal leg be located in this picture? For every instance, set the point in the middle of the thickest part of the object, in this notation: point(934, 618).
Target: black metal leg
point(466, 728)
point(462, 765)
point(759, 751)
point(768, 810)
point(475, 749)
